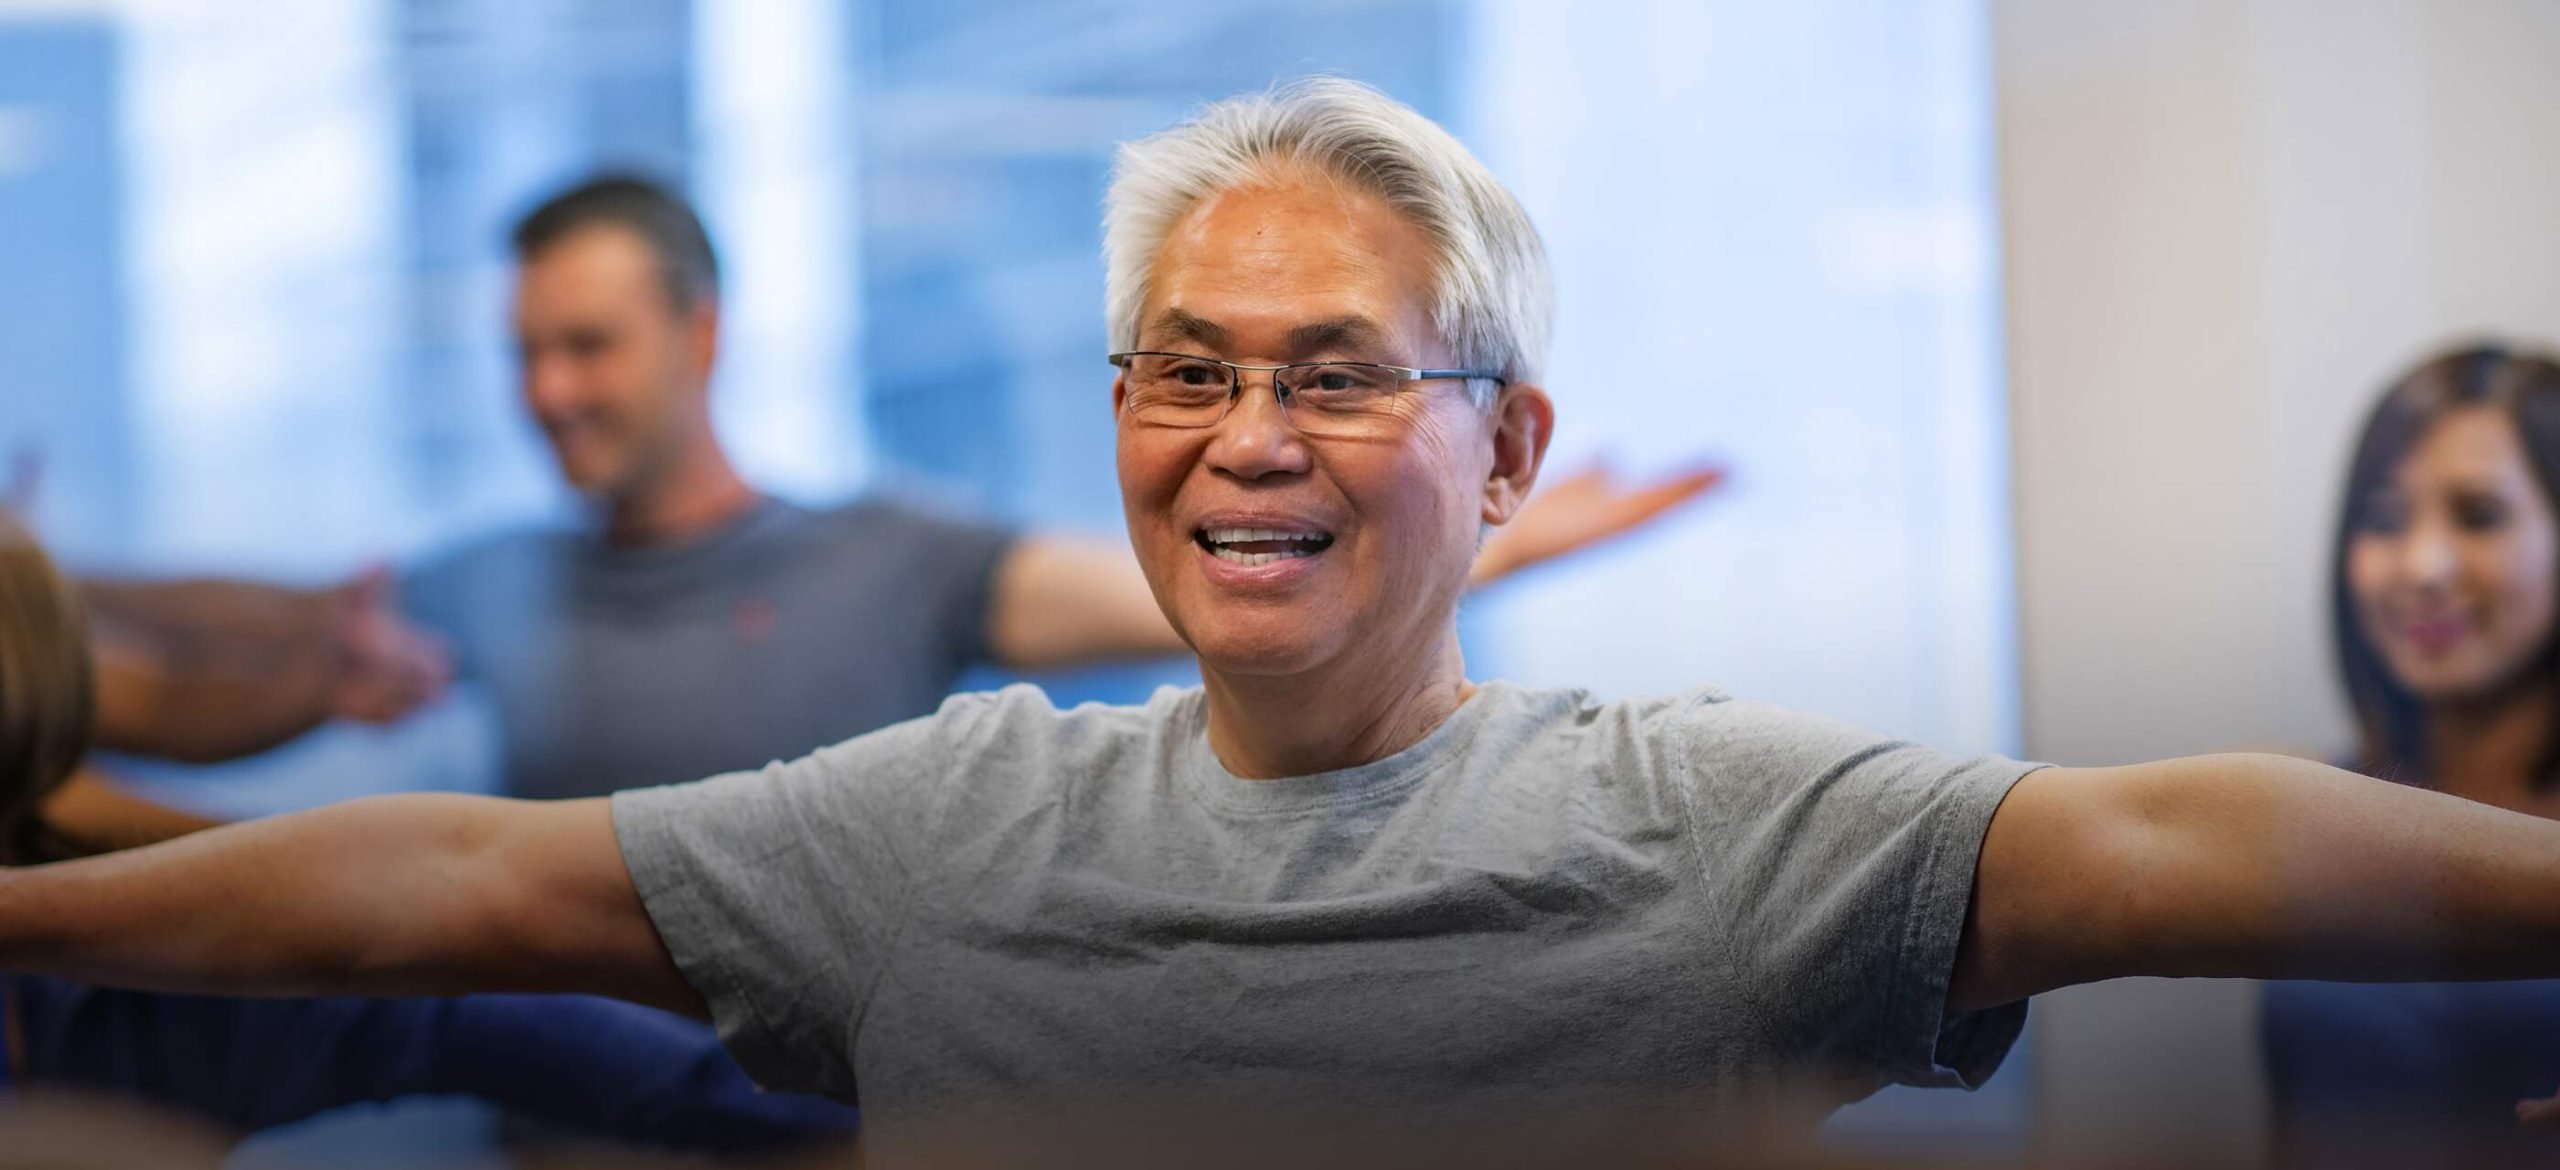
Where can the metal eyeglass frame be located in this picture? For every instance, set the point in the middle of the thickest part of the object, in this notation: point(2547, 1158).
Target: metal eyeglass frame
point(1236, 372)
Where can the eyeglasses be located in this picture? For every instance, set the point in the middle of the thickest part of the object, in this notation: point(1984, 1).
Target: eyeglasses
point(1320, 398)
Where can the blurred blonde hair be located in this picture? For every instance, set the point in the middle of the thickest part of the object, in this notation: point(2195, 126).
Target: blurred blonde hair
point(47, 700)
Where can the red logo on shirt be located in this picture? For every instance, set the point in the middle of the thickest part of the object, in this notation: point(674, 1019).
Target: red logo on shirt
point(754, 619)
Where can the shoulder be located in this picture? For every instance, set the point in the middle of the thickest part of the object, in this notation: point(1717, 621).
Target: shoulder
point(476, 561)
point(944, 554)
point(1708, 745)
point(1515, 718)
point(1722, 733)
point(1022, 722)
point(1570, 739)
point(886, 514)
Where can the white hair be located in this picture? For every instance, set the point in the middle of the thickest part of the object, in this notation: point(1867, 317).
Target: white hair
point(1494, 301)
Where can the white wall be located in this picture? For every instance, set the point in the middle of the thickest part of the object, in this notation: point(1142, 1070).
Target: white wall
point(1772, 233)
point(2226, 224)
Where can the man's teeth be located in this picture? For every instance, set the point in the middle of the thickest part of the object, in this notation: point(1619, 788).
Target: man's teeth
point(1241, 535)
point(1272, 544)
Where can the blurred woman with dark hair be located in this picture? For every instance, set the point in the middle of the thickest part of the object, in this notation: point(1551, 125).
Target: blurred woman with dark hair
point(2446, 561)
point(595, 1065)
point(2445, 595)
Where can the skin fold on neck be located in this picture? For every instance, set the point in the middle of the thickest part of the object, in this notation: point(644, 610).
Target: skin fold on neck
point(1265, 728)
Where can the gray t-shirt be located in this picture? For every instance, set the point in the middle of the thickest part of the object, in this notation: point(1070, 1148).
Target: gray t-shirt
point(783, 629)
point(1546, 896)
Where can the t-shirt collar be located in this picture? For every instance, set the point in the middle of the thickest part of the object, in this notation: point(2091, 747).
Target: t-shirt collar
point(1199, 767)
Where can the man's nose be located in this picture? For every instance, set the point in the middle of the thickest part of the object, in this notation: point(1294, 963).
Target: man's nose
point(1256, 438)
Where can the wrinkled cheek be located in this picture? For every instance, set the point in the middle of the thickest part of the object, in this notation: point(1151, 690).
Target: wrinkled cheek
point(1151, 473)
point(1435, 529)
point(1140, 469)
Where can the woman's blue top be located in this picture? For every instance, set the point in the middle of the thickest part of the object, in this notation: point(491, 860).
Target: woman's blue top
point(2410, 1073)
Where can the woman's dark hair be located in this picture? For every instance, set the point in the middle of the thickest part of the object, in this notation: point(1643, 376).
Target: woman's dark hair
point(46, 700)
point(2525, 388)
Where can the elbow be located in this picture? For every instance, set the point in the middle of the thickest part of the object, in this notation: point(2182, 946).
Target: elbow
point(457, 896)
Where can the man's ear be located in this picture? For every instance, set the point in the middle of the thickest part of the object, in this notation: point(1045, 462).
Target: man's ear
point(1523, 420)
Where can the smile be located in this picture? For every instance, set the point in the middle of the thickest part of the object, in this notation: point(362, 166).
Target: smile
point(1260, 546)
point(2434, 636)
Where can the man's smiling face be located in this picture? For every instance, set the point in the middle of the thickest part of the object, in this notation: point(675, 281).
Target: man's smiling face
point(1272, 552)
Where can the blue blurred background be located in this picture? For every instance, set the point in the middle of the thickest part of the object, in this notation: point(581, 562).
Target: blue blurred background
point(253, 316)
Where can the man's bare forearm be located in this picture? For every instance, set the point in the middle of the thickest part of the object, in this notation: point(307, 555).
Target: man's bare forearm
point(205, 670)
point(390, 896)
point(2302, 870)
point(218, 617)
point(203, 712)
point(2260, 867)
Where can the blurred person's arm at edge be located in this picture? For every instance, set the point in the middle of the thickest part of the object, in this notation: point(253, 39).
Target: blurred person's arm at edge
point(2256, 867)
point(151, 702)
point(1061, 601)
point(207, 670)
point(427, 894)
point(97, 815)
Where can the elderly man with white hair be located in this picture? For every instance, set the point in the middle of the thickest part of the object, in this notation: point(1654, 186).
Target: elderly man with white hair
point(1338, 870)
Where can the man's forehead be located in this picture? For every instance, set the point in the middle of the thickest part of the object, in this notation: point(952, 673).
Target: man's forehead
point(602, 268)
point(1291, 268)
point(1338, 331)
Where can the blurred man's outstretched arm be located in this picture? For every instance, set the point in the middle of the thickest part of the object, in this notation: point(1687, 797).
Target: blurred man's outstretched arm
point(203, 670)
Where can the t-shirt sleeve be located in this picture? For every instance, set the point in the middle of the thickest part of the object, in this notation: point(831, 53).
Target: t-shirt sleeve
point(780, 891)
point(1842, 864)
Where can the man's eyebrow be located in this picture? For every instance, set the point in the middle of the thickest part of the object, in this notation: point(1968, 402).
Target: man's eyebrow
point(1178, 325)
point(1351, 335)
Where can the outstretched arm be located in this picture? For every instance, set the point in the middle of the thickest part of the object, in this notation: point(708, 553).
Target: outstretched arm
point(1061, 601)
point(2252, 866)
point(395, 895)
point(204, 670)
